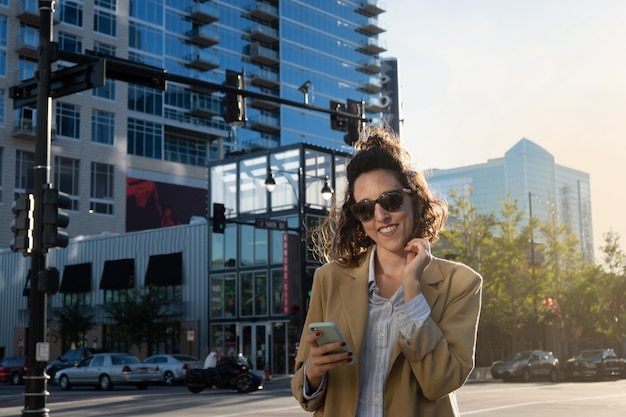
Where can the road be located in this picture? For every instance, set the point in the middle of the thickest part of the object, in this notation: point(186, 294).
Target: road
point(480, 399)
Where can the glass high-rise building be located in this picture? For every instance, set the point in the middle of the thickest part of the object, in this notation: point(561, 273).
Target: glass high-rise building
point(133, 157)
point(530, 176)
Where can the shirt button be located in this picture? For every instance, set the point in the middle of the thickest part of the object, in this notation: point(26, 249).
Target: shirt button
point(401, 315)
point(376, 400)
point(382, 334)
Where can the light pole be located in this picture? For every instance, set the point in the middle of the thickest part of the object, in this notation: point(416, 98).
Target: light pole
point(327, 193)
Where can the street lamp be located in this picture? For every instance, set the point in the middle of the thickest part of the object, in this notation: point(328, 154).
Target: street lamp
point(270, 183)
point(300, 192)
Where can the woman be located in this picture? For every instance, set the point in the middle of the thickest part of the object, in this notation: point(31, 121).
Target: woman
point(410, 319)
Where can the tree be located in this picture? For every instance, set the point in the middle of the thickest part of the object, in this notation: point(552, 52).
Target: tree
point(74, 322)
point(141, 316)
point(614, 258)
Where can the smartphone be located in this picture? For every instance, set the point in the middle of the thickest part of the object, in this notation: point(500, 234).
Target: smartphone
point(330, 333)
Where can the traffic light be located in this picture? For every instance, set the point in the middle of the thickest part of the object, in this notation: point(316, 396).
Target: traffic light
point(53, 218)
point(23, 224)
point(219, 218)
point(355, 125)
point(338, 122)
point(235, 104)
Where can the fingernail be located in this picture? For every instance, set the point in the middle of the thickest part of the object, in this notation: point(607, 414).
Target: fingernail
point(318, 333)
point(349, 353)
point(343, 343)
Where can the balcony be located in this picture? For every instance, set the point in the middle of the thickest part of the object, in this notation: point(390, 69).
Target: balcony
point(371, 7)
point(372, 46)
point(204, 36)
point(27, 46)
point(370, 66)
point(24, 128)
point(204, 12)
point(265, 124)
point(262, 33)
point(262, 55)
point(203, 60)
point(264, 78)
point(371, 85)
point(263, 104)
point(205, 106)
point(261, 143)
point(374, 105)
point(371, 26)
point(262, 11)
point(28, 12)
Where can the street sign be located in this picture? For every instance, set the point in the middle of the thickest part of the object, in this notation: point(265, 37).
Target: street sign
point(270, 224)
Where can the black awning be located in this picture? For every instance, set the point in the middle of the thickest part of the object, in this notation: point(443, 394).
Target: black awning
point(165, 270)
point(118, 274)
point(76, 278)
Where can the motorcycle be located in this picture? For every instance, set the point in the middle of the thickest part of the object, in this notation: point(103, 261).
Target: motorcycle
point(232, 374)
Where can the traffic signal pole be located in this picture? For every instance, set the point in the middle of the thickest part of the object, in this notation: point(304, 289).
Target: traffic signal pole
point(36, 346)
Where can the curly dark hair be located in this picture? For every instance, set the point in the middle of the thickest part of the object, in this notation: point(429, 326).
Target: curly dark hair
point(341, 236)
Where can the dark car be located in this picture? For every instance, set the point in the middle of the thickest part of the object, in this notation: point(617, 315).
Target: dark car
point(594, 364)
point(527, 365)
point(13, 369)
point(69, 358)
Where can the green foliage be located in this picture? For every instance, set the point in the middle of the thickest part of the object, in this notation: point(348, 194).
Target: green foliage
point(73, 323)
point(524, 263)
point(141, 315)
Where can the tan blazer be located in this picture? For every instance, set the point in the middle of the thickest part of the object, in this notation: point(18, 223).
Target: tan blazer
point(425, 370)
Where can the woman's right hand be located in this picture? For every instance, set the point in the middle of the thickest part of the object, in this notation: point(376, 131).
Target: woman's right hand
point(319, 361)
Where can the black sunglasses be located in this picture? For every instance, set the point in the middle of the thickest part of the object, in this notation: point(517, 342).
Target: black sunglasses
point(390, 201)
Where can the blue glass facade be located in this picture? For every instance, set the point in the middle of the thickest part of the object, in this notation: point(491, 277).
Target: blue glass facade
point(530, 176)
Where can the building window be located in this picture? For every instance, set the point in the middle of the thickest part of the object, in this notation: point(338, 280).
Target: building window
point(2, 106)
point(145, 38)
point(145, 100)
point(224, 256)
point(145, 138)
point(67, 120)
point(224, 338)
point(72, 13)
point(102, 127)
point(1, 169)
point(24, 171)
point(277, 292)
point(26, 68)
point(223, 296)
point(253, 300)
point(185, 151)
point(70, 43)
point(254, 246)
point(66, 174)
point(101, 200)
point(107, 91)
point(3, 45)
point(29, 36)
point(104, 22)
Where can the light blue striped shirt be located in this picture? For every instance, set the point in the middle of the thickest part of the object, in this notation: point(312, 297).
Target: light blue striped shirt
point(387, 318)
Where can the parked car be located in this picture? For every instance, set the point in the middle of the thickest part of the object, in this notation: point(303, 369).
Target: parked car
point(596, 364)
point(527, 365)
point(105, 370)
point(68, 359)
point(173, 367)
point(13, 369)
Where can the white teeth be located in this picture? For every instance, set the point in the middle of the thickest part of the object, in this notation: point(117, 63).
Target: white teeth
point(386, 229)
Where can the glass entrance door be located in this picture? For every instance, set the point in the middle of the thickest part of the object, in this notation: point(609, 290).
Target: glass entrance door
point(254, 344)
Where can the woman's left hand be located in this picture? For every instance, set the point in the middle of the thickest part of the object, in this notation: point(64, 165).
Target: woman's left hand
point(417, 260)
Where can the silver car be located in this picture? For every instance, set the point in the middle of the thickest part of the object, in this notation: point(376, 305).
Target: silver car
point(173, 367)
point(105, 370)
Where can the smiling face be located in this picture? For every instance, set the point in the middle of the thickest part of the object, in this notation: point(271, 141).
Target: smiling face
point(390, 230)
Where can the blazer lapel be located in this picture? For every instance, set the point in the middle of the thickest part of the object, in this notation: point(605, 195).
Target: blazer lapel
point(354, 300)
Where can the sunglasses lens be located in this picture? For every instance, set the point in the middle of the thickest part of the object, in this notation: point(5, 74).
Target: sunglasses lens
point(364, 210)
point(391, 201)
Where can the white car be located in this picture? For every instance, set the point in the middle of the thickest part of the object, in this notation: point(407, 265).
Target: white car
point(105, 370)
point(173, 367)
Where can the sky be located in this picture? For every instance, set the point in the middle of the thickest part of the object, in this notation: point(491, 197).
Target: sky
point(476, 76)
